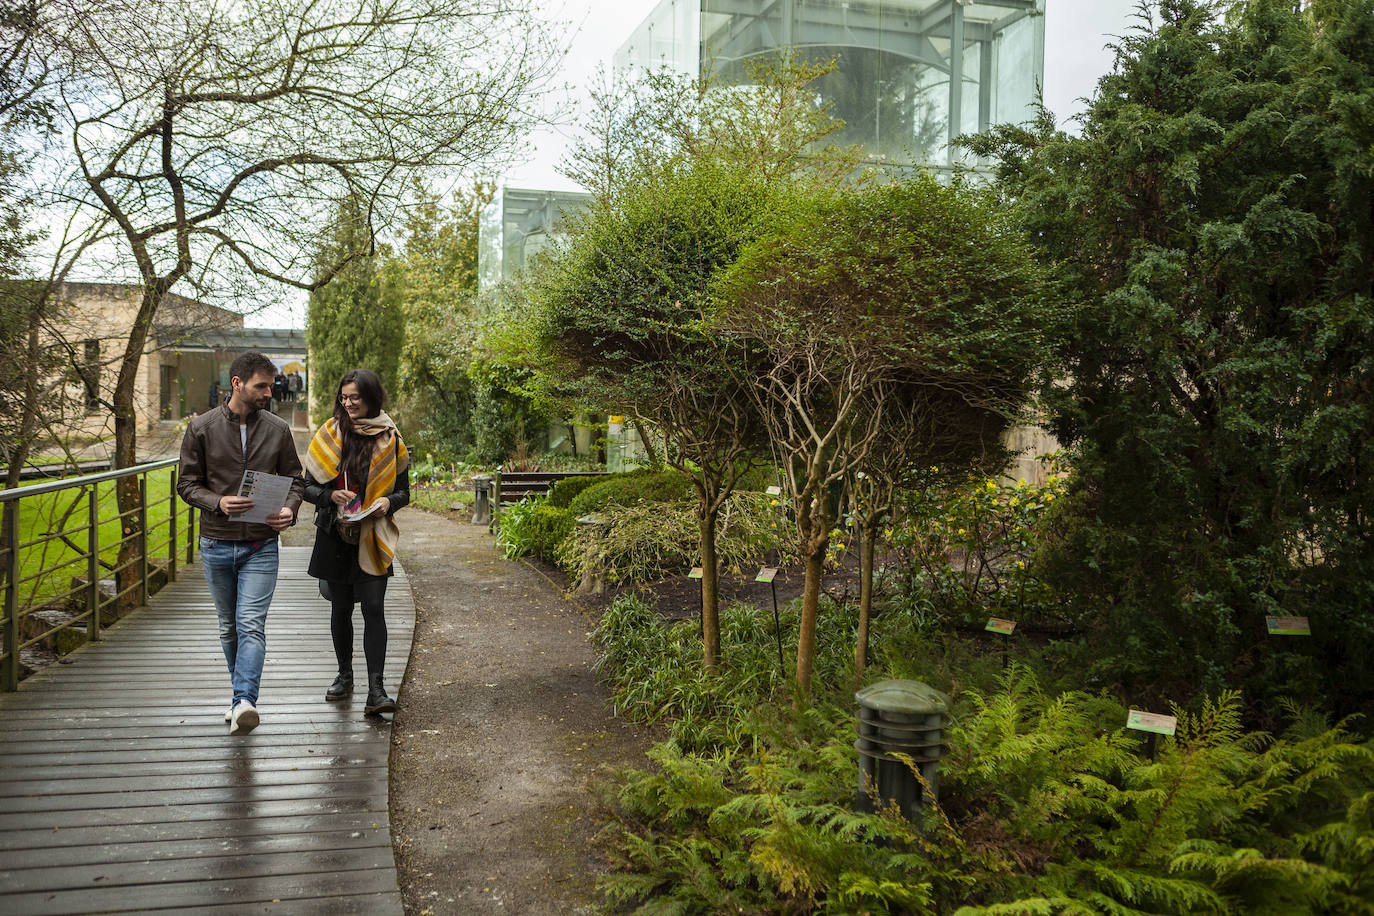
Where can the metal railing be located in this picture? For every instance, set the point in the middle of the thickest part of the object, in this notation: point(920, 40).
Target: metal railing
point(52, 530)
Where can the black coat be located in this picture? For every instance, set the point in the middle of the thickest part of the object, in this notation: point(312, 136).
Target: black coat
point(333, 559)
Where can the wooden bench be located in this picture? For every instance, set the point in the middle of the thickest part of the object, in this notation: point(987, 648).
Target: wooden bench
point(506, 487)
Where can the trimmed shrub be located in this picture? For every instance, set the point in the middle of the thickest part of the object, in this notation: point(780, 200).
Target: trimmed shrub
point(631, 488)
point(566, 489)
point(648, 540)
point(535, 528)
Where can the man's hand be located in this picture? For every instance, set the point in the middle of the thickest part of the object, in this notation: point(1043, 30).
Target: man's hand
point(235, 505)
point(280, 521)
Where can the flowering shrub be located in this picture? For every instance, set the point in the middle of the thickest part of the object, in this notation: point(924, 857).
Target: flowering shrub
point(968, 552)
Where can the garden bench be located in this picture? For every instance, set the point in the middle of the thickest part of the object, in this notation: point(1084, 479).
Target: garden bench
point(493, 490)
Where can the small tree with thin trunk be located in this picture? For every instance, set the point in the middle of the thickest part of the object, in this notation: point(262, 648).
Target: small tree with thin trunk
point(922, 434)
point(912, 294)
point(620, 310)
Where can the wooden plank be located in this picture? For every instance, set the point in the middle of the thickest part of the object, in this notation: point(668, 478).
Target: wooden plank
point(120, 788)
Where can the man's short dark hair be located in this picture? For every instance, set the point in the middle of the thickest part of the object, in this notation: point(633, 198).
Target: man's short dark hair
point(247, 365)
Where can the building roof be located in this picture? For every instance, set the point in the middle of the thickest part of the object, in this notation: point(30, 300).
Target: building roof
point(269, 341)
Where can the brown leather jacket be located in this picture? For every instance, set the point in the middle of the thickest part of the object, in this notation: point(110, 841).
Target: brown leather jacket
point(213, 462)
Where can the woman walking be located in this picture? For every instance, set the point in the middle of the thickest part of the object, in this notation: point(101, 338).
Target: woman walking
point(356, 463)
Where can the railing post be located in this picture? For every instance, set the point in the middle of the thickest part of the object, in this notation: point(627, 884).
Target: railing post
point(172, 526)
point(93, 562)
point(10, 676)
point(190, 534)
point(143, 539)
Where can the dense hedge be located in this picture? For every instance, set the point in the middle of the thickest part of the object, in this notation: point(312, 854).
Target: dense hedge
point(635, 487)
point(564, 490)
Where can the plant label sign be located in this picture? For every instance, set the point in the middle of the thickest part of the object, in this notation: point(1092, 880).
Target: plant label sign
point(695, 573)
point(1288, 626)
point(774, 491)
point(766, 574)
point(1151, 722)
point(999, 625)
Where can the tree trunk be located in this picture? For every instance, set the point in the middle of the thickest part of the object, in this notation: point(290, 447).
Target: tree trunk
point(126, 446)
point(811, 597)
point(866, 552)
point(28, 419)
point(813, 532)
point(710, 596)
point(648, 444)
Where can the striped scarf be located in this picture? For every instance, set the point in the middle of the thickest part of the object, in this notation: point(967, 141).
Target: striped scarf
point(377, 540)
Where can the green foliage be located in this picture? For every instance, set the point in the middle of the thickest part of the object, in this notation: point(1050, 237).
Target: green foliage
point(1210, 228)
point(435, 276)
point(645, 540)
point(968, 551)
point(1213, 823)
point(566, 489)
point(653, 668)
point(533, 527)
point(1048, 805)
point(631, 488)
point(352, 321)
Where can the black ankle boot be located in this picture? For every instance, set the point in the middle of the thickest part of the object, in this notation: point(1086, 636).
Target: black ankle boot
point(377, 700)
point(342, 686)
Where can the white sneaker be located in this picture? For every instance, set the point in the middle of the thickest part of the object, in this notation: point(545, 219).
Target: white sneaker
point(244, 718)
point(229, 713)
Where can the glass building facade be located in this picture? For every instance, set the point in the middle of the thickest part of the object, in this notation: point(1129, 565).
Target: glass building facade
point(515, 226)
point(910, 74)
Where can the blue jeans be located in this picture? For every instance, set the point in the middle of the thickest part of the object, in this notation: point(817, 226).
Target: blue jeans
point(242, 577)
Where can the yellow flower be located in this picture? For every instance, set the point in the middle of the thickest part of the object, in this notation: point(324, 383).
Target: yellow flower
point(934, 469)
point(773, 503)
point(1020, 564)
point(1049, 497)
point(1015, 501)
point(961, 530)
point(992, 484)
point(839, 547)
point(775, 524)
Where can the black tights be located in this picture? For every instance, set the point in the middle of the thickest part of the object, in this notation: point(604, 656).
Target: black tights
point(372, 595)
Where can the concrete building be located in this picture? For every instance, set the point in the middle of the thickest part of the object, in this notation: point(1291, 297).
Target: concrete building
point(187, 354)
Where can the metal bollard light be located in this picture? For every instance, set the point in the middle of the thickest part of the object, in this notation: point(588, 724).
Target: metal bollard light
point(899, 717)
point(481, 499)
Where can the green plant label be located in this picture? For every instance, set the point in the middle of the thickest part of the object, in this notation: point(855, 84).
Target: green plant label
point(1151, 722)
point(695, 573)
point(766, 574)
point(774, 491)
point(1288, 626)
point(999, 625)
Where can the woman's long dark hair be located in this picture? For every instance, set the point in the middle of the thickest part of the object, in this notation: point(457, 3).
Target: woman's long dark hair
point(357, 450)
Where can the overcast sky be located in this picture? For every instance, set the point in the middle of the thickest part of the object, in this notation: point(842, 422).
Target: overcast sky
point(1076, 35)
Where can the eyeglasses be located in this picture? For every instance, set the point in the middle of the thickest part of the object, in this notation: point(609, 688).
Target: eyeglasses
point(350, 399)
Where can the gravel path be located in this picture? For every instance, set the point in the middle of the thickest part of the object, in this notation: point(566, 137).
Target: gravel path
point(502, 724)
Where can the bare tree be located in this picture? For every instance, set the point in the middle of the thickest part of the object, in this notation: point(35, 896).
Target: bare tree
point(220, 136)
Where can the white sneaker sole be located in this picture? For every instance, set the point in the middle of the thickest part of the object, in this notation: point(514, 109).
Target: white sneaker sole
point(244, 721)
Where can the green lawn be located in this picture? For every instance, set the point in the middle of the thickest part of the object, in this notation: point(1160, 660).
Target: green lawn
point(66, 512)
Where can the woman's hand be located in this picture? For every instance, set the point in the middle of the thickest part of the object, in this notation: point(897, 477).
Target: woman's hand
point(385, 503)
point(342, 498)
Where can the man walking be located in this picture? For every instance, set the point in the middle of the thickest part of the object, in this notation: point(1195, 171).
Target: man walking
point(240, 557)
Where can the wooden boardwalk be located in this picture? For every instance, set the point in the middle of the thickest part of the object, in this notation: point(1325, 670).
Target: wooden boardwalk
point(121, 790)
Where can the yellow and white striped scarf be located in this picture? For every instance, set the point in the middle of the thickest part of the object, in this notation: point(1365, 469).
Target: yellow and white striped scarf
point(377, 541)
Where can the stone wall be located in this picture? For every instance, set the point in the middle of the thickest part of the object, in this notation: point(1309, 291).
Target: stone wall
point(99, 317)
